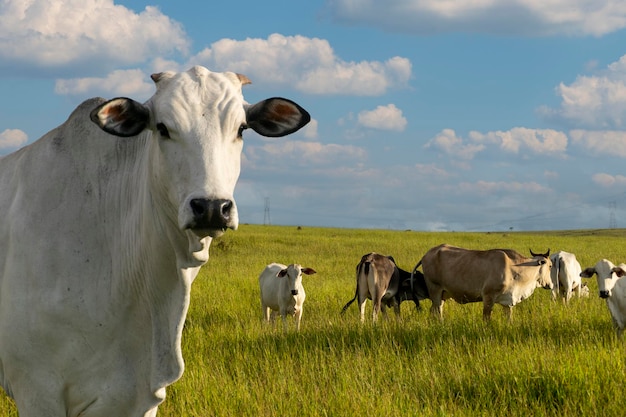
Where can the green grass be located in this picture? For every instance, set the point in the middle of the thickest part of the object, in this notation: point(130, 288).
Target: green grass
point(552, 360)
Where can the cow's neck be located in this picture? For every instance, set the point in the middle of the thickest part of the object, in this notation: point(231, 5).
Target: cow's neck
point(156, 256)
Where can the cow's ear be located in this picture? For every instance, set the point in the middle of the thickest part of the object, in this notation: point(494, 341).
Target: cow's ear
point(276, 117)
point(309, 271)
point(619, 271)
point(588, 272)
point(282, 273)
point(121, 117)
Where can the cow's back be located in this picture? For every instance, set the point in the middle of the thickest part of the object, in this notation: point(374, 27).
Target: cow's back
point(463, 273)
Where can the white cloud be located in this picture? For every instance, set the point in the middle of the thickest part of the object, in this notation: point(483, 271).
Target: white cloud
point(131, 83)
point(12, 138)
point(299, 153)
point(449, 143)
point(307, 64)
point(387, 117)
point(519, 139)
point(495, 187)
point(597, 101)
point(525, 17)
point(310, 130)
point(600, 143)
point(69, 33)
point(607, 180)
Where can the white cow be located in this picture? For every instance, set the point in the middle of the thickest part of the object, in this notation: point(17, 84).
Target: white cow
point(612, 288)
point(102, 235)
point(282, 292)
point(565, 274)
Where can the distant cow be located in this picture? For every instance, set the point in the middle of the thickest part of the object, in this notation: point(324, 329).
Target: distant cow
point(612, 288)
point(565, 274)
point(379, 279)
point(282, 292)
point(491, 276)
point(104, 224)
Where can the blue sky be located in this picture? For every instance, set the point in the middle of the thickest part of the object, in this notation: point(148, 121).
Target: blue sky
point(480, 115)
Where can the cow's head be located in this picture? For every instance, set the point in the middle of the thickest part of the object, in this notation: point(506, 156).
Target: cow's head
point(544, 279)
point(293, 275)
point(606, 275)
point(197, 119)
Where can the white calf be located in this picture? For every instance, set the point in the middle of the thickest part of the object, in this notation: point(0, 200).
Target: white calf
point(282, 291)
point(612, 288)
point(565, 274)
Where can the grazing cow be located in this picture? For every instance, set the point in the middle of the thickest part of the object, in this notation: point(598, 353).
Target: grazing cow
point(565, 274)
point(612, 288)
point(379, 279)
point(491, 276)
point(282, 291)
point(104, 224)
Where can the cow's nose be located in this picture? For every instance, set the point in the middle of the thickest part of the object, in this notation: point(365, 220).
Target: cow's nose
point(604, 294)
point(211, 214)
point(294, 292)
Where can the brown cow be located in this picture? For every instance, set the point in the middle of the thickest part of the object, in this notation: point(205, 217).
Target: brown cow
point(379, 279)
point(492, 276)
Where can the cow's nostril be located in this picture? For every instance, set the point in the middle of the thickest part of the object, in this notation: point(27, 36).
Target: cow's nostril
point(225, 209)
point(199, 207)
point(211, 214)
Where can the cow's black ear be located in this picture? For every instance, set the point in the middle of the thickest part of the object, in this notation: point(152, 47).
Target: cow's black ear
point(121, 117)
point(588, 273)
point(276, 117)
point(282, 273)
point(619, 271)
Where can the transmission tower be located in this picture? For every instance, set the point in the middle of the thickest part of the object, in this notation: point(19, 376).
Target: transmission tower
point(266, 216)
point(612, 222)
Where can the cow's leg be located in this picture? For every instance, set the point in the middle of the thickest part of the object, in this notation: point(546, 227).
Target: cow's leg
point(436, 308)
point(508, 312)
point(376, 309)
point(396, 309)
point(297, 317)
point(266, 311)
point(272, 319)
point(488, 302)
point(362, 297)
point(283, 315)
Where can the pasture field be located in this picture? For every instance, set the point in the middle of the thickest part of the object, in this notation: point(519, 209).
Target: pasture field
point(552, 360)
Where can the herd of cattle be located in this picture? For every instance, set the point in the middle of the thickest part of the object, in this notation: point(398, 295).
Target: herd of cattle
point(494, 276)
point(106, 220)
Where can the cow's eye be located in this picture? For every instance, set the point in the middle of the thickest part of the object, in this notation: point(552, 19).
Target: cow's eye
point(163, 130)
point(241, 129)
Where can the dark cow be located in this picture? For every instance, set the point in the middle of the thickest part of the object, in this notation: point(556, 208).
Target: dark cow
point(379, 279)
point(492, 276)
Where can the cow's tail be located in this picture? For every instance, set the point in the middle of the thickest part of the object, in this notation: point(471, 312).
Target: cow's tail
point(356, 292)
point(413, 274)
point(343, 310)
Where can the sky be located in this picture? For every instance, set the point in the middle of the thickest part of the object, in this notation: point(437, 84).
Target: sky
point(433, 115)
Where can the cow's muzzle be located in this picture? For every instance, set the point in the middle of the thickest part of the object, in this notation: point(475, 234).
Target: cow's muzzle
point(294, 292)
point(604, 294)
point(209, 214)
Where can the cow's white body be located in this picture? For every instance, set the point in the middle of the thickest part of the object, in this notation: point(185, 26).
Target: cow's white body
point(611, 287)
point(565, 274)
point(282, 292)
point(99, 245)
